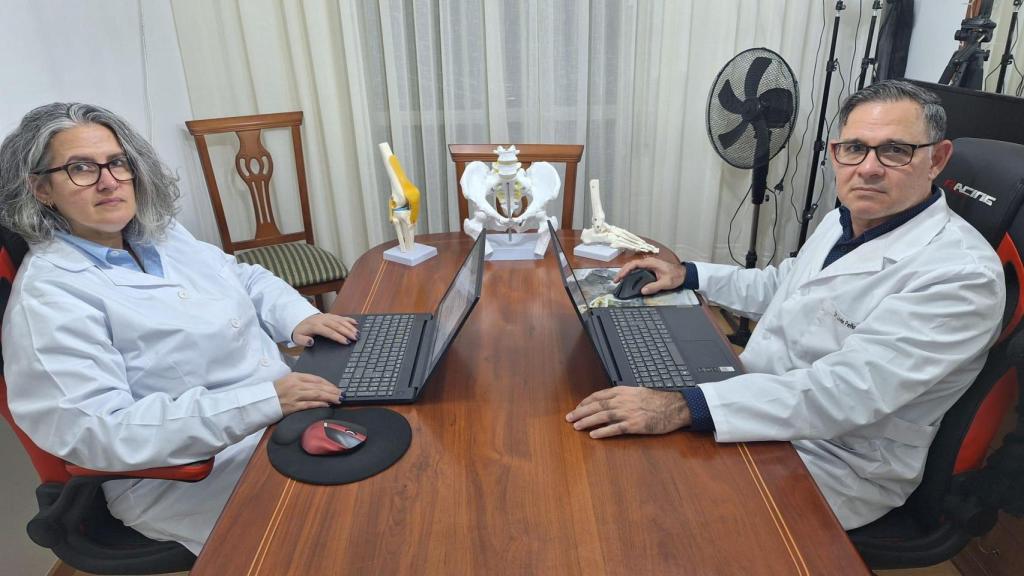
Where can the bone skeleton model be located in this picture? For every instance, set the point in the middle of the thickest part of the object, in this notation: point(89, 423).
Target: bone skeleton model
point(604, 233)
point(404, 205)
point(506, 184)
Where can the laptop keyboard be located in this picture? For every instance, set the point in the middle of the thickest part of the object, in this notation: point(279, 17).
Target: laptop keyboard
point(376, 360)
point(652, 355)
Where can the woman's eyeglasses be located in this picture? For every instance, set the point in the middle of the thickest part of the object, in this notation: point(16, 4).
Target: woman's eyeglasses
point(84, 173)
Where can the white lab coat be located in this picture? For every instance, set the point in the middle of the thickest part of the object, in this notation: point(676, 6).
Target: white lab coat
point(857, 363)
point(115, 369)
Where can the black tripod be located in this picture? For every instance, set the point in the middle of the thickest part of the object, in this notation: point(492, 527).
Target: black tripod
point(1007, 58)
point(966, 66)
point(819, 143)
point(867, 60)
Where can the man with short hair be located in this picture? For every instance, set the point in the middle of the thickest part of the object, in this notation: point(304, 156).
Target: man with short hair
point(865, 339)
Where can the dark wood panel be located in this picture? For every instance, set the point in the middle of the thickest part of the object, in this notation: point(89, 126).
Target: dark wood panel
point(496, 482)
point(998, 553)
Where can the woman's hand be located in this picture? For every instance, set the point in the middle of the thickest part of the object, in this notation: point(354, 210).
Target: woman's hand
point(298, 391)
point(341, 329)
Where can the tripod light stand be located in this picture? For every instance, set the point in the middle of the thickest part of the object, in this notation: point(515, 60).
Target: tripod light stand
point(1007, 58)
point(819, 142)
point(965, 68)
point(867, 60)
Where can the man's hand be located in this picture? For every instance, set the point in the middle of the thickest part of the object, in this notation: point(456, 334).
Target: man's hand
point(669, 275)
point(341, 329)
point(298, 391)
point(630, 410)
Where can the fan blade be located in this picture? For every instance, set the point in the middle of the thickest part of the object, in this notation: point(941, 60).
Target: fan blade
point(776, 106)
point(727, 98)
point(754, 74)
point(762, 142)
point(730, 137)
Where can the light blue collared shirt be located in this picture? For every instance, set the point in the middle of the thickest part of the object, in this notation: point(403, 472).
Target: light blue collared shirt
point(107, 256)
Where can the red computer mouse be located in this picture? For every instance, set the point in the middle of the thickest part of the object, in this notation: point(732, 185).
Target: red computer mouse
point(327, 437)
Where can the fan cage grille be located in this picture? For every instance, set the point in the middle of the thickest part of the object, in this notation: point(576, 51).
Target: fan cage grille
point(743, 153)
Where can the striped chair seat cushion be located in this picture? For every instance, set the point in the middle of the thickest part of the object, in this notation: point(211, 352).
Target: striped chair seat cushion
point(299, 264)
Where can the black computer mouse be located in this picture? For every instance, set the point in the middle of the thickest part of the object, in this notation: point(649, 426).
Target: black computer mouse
point(633, 282)
point(326, 437)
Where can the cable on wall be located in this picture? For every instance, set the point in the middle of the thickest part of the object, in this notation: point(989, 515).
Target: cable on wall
point(145, 74)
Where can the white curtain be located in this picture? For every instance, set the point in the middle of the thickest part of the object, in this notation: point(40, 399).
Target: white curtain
point(628, 79)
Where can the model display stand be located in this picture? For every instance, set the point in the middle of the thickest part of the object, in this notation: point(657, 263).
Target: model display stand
point(596, 252)
point(521, 246)
point(413, 256)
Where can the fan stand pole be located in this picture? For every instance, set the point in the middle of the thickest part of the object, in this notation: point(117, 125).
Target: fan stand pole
point(759, 185)
point(819, 143)
point(867, 60)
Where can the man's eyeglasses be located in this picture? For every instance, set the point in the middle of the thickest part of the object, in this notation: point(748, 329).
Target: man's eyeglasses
point(84, 173)
point(891, 154)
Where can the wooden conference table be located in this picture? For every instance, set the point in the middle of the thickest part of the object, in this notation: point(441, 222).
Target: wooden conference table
point(496, 482)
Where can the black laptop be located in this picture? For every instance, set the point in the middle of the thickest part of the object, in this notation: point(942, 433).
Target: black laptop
point(395, 354)
point(663, 347)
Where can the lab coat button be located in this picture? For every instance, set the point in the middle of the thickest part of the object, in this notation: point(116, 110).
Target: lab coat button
point(183, 294)
point(264, 362)
point(235, 323)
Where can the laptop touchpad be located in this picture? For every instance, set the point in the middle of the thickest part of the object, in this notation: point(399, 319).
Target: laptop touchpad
point(707, 357)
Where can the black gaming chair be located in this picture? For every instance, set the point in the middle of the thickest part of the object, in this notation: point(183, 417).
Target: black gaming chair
point(73, 519)
point(984, 183)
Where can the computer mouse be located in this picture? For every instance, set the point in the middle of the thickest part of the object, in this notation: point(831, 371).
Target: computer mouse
point(633, 282)
point(327, 437)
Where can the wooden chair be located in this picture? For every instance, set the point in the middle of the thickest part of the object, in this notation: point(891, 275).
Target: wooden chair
point(569, 154)
point(292, 256)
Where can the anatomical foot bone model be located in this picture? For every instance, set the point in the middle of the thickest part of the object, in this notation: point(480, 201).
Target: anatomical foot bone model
point(604, 233)
point(506, 184)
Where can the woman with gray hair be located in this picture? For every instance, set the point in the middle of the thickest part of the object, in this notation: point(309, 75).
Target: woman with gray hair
point(129, 344)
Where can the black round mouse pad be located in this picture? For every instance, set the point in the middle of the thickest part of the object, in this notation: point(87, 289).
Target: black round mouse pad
point(388, 435)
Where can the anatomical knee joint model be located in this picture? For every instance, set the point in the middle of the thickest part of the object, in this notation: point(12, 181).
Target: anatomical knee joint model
point(404, 205)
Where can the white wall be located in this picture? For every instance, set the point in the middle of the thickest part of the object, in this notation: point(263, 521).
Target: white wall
point(932, 42)
point(105, 52)
point(122, 55)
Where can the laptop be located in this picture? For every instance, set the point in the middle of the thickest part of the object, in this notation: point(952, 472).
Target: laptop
point(396, 354)
point(663, 347)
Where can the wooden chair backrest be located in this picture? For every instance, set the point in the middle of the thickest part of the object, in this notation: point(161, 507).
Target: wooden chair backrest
point(256, 167)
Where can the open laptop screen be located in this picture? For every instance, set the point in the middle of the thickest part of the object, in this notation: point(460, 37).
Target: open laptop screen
point(568, 276)
point(458, 301)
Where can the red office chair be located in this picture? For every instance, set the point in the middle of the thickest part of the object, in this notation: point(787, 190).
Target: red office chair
point(73, 519)
point(957, 498)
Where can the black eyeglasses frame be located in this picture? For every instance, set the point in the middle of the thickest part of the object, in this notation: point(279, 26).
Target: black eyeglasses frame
point(870, 149)
point(100, 166)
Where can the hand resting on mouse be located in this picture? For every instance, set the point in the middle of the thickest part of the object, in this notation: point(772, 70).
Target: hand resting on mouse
point(670, 275)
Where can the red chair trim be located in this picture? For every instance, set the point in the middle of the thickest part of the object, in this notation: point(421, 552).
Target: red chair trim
point(193, 472)
point(985, 424)
point(1010, 256)
point(49, 467)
